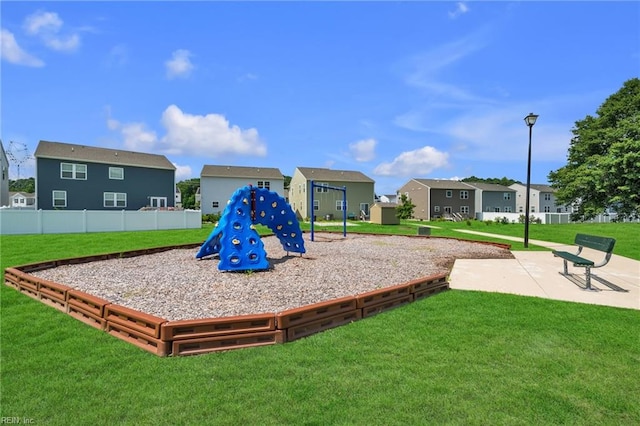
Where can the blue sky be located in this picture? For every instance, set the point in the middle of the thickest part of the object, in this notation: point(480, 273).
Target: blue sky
point(397, 90)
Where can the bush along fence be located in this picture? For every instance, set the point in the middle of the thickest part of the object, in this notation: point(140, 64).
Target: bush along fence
point(190, 337)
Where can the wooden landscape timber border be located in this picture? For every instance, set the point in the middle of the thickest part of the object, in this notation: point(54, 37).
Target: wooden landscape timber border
point(190, 337)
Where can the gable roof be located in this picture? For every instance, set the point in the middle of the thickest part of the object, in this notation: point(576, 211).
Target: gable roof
point(443, 184)
point(241, 172)
point(542, 188)
point(92, 154)
point(328, 175)
point(490, 187)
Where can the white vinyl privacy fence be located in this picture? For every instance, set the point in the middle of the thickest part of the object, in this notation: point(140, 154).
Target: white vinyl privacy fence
point(14, 221)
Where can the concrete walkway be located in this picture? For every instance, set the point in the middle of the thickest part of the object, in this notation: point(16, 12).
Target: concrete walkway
point(538, 274)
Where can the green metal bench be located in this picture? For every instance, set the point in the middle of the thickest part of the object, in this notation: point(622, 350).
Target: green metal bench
point(603, 244)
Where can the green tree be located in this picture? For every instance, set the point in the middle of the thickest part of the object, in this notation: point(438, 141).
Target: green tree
point(188, 190)
point(405, 209)
point(504, 181)
point(603, 167)
point(23, 185)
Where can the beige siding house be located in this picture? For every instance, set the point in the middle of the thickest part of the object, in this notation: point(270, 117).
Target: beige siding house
point(439, 198)
point(218, 183)
point(328, 203)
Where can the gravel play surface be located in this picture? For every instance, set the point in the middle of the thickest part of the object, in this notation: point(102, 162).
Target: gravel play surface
point(174, 285)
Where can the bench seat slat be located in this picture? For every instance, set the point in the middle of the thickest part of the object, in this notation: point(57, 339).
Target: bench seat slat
point(577, 260)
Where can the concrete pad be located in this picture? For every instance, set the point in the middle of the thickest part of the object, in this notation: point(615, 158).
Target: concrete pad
point(538, 274)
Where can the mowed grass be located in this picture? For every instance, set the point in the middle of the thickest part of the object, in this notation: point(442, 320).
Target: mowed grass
point(454, 358)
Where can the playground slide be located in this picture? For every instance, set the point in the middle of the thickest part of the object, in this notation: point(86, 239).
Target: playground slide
point(235, 238)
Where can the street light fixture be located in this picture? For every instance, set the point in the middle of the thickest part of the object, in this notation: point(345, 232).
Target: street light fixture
point(530, 120)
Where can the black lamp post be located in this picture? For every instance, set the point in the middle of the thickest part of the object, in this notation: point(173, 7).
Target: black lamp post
point(530, 120)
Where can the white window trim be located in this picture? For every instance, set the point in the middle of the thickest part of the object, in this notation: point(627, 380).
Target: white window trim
point(448, 193)
point(115, 199)
point(53, 198)
point(74, 171)
point(114, 169)
point(464, 195)
point(342, 205)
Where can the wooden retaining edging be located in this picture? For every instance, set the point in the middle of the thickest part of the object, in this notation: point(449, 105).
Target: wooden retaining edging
point(191, 337)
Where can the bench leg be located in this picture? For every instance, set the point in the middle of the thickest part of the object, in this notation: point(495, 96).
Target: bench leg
point(566, 271)
point(588, 277)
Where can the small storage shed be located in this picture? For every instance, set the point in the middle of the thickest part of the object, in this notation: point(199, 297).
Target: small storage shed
point(384, 214)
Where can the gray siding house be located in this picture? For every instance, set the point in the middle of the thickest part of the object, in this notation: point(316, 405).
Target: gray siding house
point(78, 177)
point(542, 199)
point(218, 183)
point(493, 198)
point(440, 198)
point(4, 184)
point(360, 193)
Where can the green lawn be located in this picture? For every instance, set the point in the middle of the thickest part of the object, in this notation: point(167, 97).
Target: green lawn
point(466, 358)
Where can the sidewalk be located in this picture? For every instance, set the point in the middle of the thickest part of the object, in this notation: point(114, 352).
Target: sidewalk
point(538, 273)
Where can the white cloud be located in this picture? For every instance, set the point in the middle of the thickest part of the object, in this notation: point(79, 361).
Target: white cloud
point(208, 135)
point(363, 150)
point(461, 8)
point(12, 53)
point(183, 172)
point(138, 138)
point(419, 162)
point(179, 65)
point(47, 26)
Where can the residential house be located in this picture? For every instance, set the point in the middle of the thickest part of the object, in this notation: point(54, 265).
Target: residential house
point(178, 200)
point(494, 198)
point(439, 198)
point(541, 199)
point(4, 184)
point(218, 183)
point(78, 177)
point(360, 193)
point(22, 200)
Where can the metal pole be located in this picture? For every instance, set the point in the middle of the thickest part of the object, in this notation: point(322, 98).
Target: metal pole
point(311, 207)
point(344, 211)
point(526, 213)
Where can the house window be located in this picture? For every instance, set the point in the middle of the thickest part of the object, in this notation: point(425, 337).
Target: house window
point(464, 209)
point(115, 199)
point(341, 205)
point(436, 209)
point(507, 195)
point(448, 193)
point(507, 209)
point(364, 207)
point(547, 209)
point(316, 205)
point(322, 187)
point(158, 202)
point(215, 204)
point(547, 197)
point(264, 184)
point(116, 173)
point(59, 198)
point(73, 171)
point(496, 209)
point(464, 195)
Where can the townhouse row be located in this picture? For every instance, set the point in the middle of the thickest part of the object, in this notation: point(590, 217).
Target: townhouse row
point(78, 177)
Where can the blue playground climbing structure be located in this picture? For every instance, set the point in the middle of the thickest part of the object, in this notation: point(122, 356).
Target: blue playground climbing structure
point(235, 239)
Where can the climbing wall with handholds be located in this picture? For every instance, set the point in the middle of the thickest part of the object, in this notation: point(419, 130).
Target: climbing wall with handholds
point(238, 243)
point(274, 212)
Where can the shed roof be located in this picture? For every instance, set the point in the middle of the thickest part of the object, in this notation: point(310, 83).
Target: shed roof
point(329, 175)
point(241, 172)
point(72, 152)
